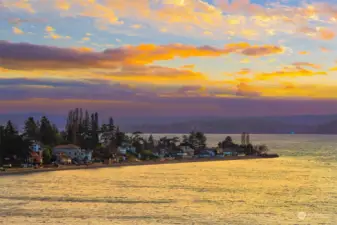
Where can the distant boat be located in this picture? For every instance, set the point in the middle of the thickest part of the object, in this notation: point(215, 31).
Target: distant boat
point(292, 132)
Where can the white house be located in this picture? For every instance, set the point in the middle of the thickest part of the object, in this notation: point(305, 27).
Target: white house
point(125, 147)
point(73, 152)
point(161, 153)
point(186, 148)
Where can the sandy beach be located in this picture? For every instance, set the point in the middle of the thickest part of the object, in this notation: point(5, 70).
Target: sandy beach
point(23, 171)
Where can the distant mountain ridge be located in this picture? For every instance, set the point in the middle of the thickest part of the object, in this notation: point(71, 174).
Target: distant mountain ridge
point(306, 124)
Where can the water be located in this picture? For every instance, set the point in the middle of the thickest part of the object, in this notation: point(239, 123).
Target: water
point(266, 191)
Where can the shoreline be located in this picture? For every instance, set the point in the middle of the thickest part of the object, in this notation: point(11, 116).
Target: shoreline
point(24, 171)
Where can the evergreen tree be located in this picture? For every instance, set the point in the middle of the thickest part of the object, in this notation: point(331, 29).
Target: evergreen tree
point(201, 138)
point(196, 139)
point(150, 143)
point(111, 125)
point(2, 149)
point(12, 144)
point(120, 137)
point(31, 129)
point(47, 132)
point(94, 130)
point(86, 122)
point(10, 130)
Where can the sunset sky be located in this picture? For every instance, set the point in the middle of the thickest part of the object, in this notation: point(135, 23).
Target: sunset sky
point(169, 57)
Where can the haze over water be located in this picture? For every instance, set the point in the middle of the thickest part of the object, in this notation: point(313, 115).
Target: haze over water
point(299, 187)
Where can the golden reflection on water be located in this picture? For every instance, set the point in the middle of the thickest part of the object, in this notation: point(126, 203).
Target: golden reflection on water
point(294, 189)
point(230, 192)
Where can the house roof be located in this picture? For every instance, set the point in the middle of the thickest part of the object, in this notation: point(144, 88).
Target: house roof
point(70, 146)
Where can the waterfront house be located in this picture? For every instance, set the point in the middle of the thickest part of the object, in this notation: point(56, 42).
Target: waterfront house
point(230, 152)
point(183, 155)
point(63, 159)
point(35, 157)
point(205, 154)
point(186, 148)
point(36, 153)
point(74, 152)
point(161, 153)
point(86, 155)
point(126, 148)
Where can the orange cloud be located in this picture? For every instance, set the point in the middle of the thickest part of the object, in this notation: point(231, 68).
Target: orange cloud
point(303, 52)
point(19, 4)
point(47, 57)
point(136, 26)
point(190, 66)
point(152, 74)
point(296, 72)
point(326, 34)
point(288, 85)
point(17, 31)
point(83, 49)
point(244, 71)
point(262, 50)
point(52, 34)
point(241, 17)
point(318, 32)
point(245, 90)
point(312, 65)
point(323, 49)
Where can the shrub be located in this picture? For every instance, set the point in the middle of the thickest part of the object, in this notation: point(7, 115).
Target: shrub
point(131, 158)
point(262, 149)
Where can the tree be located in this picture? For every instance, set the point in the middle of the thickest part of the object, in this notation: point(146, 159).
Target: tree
point(2, 150)
point(200, 136)
point(185, 138)
point(10, 130)
point(150, 143)
point(13, 145)
point(48, 132)
point(249, 149)
point(86, 122)
point(94, 130)
point(193, 139)
point(31, 130)
point(137, 141)
point(262, 149)
point(197, 140)
point(228, 142)
point(72, 126)
point(172, 143)
point(47, 155)
point(120, 137)
point(111, 125)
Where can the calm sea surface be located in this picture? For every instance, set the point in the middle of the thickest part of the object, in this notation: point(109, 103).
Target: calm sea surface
point(298, 188)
